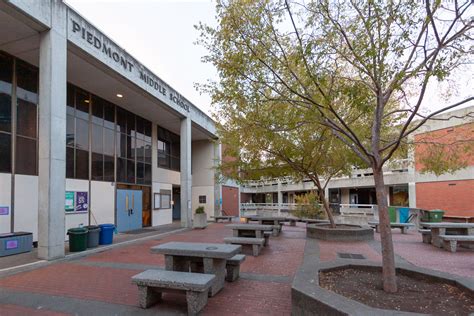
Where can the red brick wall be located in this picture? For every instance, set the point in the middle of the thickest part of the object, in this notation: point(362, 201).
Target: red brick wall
point(455, 197)
point(459, 136)
point(230, 200)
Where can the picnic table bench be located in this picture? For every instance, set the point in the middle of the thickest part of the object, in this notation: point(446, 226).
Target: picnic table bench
point(403, 226)
point(450, 242)
point(233, 267)
point(277, 222)
point(447, 228)
point(256, 243)
point(152, 283)
point(249, 230)
point(223, 217)
point(207, 258)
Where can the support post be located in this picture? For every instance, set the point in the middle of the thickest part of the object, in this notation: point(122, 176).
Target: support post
point(186, 177)
point(52, 135)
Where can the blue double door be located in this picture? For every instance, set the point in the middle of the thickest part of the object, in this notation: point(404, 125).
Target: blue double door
point(129, 209)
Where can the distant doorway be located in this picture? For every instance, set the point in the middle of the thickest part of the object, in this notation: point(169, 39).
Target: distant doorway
point(176, 203)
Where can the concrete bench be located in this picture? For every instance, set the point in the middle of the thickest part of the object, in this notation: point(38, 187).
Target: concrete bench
point(256, 243)
point(223, 217)
point(403, 226)
point(152, 283)
point(266, 235)
point(233, 267)
point(450, 242)
point(425, 235)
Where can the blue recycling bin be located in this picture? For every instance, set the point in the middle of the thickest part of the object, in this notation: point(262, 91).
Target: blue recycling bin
point(106, 235)
point(404, 213)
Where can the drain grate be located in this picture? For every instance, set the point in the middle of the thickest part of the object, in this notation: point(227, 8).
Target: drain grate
point(346, 255)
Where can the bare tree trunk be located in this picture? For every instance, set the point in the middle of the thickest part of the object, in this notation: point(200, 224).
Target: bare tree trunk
point(388, 256)
point(322, 197)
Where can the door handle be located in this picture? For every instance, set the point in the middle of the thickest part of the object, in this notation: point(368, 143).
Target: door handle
point(131, 211)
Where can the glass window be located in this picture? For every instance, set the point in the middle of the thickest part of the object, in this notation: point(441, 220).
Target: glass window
point(130, 123)
point(82, 104)
point(70, 100)
point(97, 167)
point(82, 164)
point(140, 173)
point(121, 170)
point(108, 142)
point(69, 162)
point(121, 145)
point(70, 131)
point(5, 153)
point(97, 139)
point(147, 174)
point(108, 168)
point(6, 74)
point(202, 199)
point(121, 120)
point(97, 110)
point(26, 118)
point(27, 81)
point(82, 134)
point(109, 115)
point(130, 171)
point(25, 156)
point(130, 147)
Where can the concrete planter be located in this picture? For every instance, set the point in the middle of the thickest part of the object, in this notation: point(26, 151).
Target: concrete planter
point(308, 298)
point(324, 232)
point(200, 221)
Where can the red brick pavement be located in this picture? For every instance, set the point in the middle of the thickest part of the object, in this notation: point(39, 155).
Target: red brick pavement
point(250, 297)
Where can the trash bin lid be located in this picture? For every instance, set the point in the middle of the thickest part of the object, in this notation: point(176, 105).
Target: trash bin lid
point(77, 230)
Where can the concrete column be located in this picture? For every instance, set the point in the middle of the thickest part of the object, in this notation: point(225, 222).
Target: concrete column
point(280, 197)
point(52, 135)
point(412, 194)
point(186, 177)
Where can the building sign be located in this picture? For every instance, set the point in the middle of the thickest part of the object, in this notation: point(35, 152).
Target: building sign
point(69, 204)
point(4, 210)
point(93, 41)
point(82, 203)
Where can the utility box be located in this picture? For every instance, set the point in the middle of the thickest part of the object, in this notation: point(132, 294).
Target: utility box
point(14, 243)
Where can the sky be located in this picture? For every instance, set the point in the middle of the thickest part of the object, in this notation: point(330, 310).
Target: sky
point(161, 35)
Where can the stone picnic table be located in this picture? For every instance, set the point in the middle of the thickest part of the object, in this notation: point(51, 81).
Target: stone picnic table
point(441, 228)
point(249, 230)
point(269, 220)
point(208, 258)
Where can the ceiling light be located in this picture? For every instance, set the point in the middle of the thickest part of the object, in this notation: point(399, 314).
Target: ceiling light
point(87, 101)
point(119, 95)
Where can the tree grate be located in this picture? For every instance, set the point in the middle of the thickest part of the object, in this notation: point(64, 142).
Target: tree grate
point(346, 255)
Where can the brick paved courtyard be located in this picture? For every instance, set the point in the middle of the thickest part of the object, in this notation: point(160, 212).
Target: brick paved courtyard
point(99, 284)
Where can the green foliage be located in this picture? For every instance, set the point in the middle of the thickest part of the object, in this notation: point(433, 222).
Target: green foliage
point(309, 206)
point(199, 210)
point(446, 158)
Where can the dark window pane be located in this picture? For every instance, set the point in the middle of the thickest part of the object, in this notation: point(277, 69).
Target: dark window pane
point(108, 168)
point(97, 110)
point(148, 152)
point(70, 100)
point(140, 150)
point(140, 173)
point(82, 164)
point(27, 81)
point(26, 158)
point(69, 162)
point(121, 145)
point(5, 153)
point(109, 115)
point(97, 167)
point(26, 118)
point(130, 147)
point(121, 120)
point(130, 171)
point(108, 142)
point(82, 134)
point(147, 174)
point(97, 139)
point(70, 131)
point(6, 73)
point(130, 123)
point(140, 128)
point(82, 104)
point(147, 126)
point(121, 170)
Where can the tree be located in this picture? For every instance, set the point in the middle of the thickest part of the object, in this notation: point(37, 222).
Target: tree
point(277, 139)
point(348, 61)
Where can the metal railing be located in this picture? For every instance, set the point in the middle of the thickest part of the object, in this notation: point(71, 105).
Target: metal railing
point(288, 208)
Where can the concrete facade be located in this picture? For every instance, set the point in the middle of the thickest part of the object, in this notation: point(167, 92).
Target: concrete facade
point(68, 49)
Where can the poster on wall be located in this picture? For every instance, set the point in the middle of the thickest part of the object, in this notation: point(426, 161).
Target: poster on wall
point(4, 210)
point(69, 204)
point(82, 203)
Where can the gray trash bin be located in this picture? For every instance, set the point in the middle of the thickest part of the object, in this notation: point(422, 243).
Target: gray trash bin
point(93, 236)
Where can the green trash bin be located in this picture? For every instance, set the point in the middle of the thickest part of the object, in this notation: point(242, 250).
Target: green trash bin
point(77, 239)
point(425, 215)
point(392, 214)
point(435, 215)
